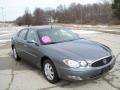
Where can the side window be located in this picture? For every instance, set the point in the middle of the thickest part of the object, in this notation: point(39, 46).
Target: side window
point(22, 34)
point(31, 36)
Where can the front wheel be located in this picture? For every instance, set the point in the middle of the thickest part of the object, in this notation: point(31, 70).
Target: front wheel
point(50, 72)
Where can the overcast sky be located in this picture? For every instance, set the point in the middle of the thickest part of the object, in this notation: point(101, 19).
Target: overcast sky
point(14, 8)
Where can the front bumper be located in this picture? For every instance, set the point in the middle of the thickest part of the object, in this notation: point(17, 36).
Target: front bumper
point(85, 73)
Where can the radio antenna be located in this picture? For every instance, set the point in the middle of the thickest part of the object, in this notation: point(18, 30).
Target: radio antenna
point(51, 20)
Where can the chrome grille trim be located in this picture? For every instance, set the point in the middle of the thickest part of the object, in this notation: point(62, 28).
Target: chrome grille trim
point(101, 59)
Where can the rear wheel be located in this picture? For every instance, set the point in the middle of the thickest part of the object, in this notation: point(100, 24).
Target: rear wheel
point(50, 72)
point(15, 55)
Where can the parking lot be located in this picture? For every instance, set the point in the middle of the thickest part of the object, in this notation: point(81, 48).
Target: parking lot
point(22, 76)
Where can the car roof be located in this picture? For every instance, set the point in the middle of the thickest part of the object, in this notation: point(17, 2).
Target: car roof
point(43, 27)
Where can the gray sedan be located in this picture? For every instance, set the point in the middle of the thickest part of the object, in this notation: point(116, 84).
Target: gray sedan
point(62, 54)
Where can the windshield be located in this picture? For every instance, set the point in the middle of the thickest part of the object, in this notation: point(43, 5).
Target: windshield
point(52, 36)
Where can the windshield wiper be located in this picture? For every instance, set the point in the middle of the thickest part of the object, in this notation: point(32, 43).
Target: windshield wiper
point(51, 43)
point(71, 40)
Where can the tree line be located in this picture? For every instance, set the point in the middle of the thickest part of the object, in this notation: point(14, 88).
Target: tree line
point(37, 18)
point(99, 13)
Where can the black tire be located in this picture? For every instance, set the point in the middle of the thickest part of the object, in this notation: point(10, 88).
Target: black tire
point(15, 55)
point(55, 76)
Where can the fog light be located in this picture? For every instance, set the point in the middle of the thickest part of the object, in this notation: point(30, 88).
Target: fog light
point(75, 77)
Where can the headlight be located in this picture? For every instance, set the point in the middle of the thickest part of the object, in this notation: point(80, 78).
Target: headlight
point(83, 63)
point(71, 63)
point(75, 64)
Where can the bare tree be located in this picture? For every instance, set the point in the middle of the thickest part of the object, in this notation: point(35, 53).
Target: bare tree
point(27, 18)
point(39, 17)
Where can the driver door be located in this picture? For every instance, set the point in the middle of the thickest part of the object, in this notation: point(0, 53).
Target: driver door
point(32, 47)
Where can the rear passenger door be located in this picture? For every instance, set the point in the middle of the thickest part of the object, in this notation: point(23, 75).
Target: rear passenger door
point(21, 42)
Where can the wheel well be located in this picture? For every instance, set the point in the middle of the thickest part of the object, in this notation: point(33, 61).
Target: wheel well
point(42, 61)
point(12, 46)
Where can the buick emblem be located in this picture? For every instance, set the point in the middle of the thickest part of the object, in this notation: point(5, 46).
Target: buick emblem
point(104, 61)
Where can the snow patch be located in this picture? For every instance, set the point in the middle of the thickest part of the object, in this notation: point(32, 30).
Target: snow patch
point(85, 32)
point(4, 41)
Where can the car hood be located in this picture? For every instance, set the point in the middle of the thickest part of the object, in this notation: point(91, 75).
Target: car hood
point(81, 49)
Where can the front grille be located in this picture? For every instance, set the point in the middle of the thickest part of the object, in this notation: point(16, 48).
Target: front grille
point(102, 62)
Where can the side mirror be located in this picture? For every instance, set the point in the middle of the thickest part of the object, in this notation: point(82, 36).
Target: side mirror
point(33, 41)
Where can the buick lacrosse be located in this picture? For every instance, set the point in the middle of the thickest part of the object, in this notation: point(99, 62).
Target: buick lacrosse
point(62, 54)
